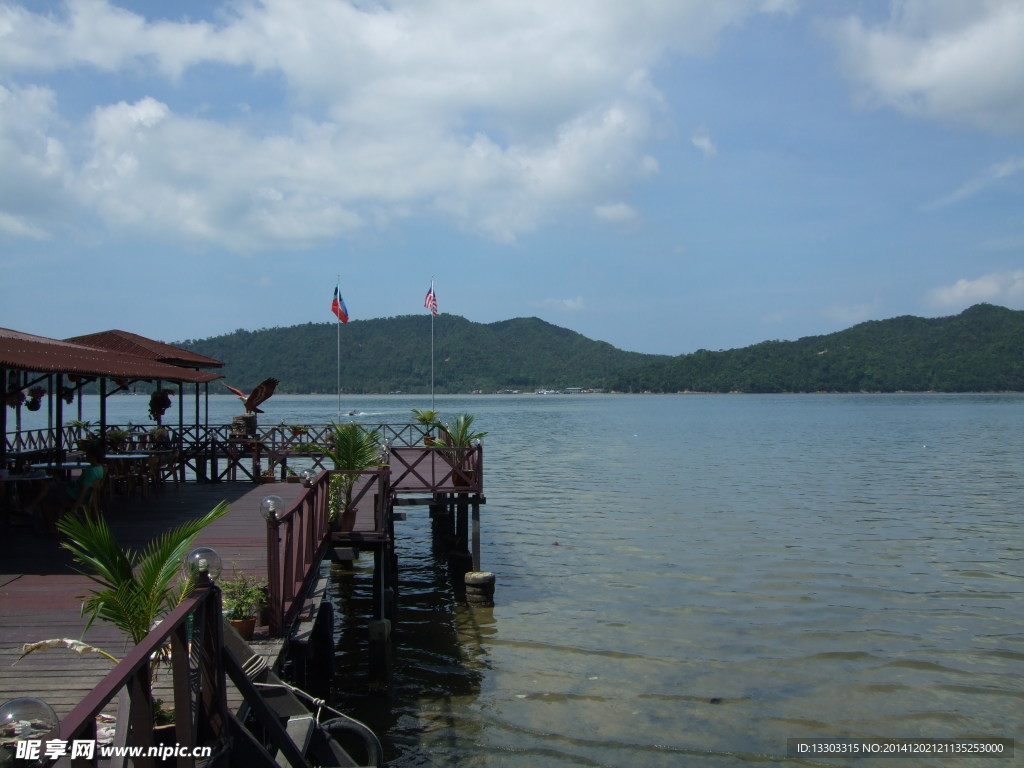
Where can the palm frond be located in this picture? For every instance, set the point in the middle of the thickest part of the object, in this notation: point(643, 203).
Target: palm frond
point(96, 552)
point(136, 589)
point(160, 562)
point(77, 646)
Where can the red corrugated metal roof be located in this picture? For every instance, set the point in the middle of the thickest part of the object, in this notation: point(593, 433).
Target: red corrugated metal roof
point(40, 354)
point(140, 346)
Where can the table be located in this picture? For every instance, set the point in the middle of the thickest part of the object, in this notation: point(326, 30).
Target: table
point(9, 497)
point(66, 467)
point(129, 471)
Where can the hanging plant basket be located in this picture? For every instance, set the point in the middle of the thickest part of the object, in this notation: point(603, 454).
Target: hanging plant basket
point(159, 402)
point(35, 398)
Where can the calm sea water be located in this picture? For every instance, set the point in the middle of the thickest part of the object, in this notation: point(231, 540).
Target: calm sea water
point(692, 580)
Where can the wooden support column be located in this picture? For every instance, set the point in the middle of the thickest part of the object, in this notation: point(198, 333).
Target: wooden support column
point(462, 522)
point(212, 706)
point(379, 629)
point(3, 419)
point(475, 548)
point(57, 398)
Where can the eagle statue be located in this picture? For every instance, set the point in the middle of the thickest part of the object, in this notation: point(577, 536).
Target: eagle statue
point(259, 395)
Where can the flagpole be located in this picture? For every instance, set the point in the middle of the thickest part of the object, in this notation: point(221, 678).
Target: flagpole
point(338, 324)
point(430, 302)
point(431, 357)
point(433, 311)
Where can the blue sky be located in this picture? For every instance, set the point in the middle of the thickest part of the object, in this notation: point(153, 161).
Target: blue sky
point(662, 175)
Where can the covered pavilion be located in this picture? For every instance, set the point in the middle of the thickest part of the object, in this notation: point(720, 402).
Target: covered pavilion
point(37, 369)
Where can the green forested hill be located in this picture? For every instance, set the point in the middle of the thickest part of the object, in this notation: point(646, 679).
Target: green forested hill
point(982, 349)
point(393, 354)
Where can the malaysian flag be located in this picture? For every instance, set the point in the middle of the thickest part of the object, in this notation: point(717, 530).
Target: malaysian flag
point(430, 302)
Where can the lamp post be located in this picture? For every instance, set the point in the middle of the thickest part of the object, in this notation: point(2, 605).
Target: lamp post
point(24, 723)
point(272, 507)
point(203, 565)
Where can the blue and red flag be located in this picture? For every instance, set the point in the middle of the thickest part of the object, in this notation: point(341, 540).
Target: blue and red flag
point(338, 305)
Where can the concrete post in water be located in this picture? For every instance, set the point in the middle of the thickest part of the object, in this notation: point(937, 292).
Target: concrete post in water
point(480, 587)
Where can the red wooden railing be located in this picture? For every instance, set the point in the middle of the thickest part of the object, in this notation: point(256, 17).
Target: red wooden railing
point(195, 632)
point(202, 662)
point(215, 452)
point(297, 538)
point(438, 469)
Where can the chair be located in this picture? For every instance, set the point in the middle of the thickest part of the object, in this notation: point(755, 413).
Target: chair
point(168, 468)
point(154, 478)
point(129, 475)
point(88, 500)
point(121, 479)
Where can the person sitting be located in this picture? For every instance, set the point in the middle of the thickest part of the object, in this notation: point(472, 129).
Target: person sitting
point(58, 498)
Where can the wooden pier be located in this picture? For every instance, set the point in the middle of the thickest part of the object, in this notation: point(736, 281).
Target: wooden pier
point(40, 594)
point(39, 590)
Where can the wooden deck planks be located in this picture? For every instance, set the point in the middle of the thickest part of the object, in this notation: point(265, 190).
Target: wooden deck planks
point(39, 589)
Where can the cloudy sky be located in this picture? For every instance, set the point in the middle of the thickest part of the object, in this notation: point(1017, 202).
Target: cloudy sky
point(664, 175)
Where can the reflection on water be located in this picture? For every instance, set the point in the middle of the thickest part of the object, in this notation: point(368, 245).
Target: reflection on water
point(441, 650)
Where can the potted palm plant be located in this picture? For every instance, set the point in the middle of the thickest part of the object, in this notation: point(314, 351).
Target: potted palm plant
point(135, 590)
point(428, 419)
point(353, 448)
point(243, 595)
point(83, 433)
point(457, 438)
point(117, 438)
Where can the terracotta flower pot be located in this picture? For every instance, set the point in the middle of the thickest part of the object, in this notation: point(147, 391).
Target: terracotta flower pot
point(165, 735)
point(347, 519)
point(244, 627)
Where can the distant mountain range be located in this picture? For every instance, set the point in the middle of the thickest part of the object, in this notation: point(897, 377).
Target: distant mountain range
point(979, 350)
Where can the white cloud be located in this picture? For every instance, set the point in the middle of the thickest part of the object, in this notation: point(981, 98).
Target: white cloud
point(155, 171)
point(955, 61)
point(33, 198)
point(701, 139)
point(615, 212)
point(989, 177)
point(1005, 288)
point(499, 115)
